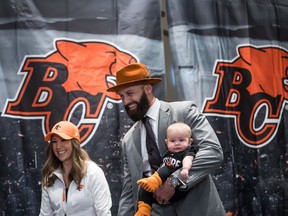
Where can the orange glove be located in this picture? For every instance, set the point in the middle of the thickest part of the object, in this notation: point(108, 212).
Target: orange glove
point(151, 183)
point(143, 209)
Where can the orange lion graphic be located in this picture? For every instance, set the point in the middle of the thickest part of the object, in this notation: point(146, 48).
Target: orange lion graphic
point(69, 82)
point(253, 90)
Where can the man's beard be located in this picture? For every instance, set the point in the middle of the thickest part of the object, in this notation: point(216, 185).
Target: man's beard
point(141, 110)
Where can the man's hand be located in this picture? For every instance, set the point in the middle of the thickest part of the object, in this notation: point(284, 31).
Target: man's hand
point(164, 193)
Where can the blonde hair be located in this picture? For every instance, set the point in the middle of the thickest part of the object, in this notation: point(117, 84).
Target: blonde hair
point(180, 126)
point(79, 167)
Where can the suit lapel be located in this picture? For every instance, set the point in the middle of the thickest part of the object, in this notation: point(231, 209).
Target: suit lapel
point(164, 115)
point(136, 147)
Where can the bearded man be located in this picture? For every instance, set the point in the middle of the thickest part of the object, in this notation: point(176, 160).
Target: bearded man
point(200, 197)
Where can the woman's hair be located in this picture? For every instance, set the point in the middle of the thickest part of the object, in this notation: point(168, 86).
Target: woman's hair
point(79, 167)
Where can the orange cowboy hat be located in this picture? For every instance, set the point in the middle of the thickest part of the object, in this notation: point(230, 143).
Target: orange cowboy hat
point(133, 74)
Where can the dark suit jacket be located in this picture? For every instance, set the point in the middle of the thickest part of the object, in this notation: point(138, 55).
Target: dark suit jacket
point(202, 197)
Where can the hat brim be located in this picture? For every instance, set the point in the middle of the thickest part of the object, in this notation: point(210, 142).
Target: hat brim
point(151, 81)
point(62, 135)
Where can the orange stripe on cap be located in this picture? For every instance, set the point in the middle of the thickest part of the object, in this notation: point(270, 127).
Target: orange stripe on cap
point(63, 196)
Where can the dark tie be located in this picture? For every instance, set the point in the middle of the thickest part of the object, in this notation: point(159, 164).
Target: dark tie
point(151, 145)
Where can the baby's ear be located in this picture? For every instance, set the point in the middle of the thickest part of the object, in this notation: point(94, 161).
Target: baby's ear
point(190, 141)
point(166, 141)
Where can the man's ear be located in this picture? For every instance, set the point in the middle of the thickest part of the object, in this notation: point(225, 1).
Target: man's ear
point(148, 88)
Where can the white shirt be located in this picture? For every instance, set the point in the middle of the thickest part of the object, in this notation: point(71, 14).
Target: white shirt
point(153, 114)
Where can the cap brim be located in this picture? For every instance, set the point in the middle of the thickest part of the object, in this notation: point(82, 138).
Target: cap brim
point(62, 135)
point(151, 81)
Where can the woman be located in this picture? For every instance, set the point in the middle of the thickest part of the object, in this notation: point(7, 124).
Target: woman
point(72, 184)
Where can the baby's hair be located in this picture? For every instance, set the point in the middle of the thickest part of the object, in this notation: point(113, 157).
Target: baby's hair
point(180, 125)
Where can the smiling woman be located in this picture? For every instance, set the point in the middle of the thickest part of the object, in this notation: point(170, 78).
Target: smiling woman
point(71, 182)
point(63, 151)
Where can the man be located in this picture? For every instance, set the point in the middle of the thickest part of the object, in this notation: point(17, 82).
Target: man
point(200, 197)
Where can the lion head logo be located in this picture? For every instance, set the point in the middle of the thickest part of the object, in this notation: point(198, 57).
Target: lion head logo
point(252, 89)
point(69, 83)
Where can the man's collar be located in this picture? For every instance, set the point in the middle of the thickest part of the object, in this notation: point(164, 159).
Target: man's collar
point(154, 110)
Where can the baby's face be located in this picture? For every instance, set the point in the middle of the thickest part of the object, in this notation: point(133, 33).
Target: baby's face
point(177, 141)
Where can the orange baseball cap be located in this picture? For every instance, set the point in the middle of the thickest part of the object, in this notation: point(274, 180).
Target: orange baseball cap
point(65, 130)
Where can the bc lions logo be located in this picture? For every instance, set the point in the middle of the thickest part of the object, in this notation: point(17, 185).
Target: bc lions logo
point(68, 84)
point(253, 89)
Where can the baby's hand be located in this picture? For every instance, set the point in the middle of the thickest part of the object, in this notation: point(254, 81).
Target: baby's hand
point(184, 175)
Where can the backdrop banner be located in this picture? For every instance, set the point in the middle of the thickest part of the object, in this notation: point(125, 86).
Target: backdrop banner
point(230, 57)
point(57, 59)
